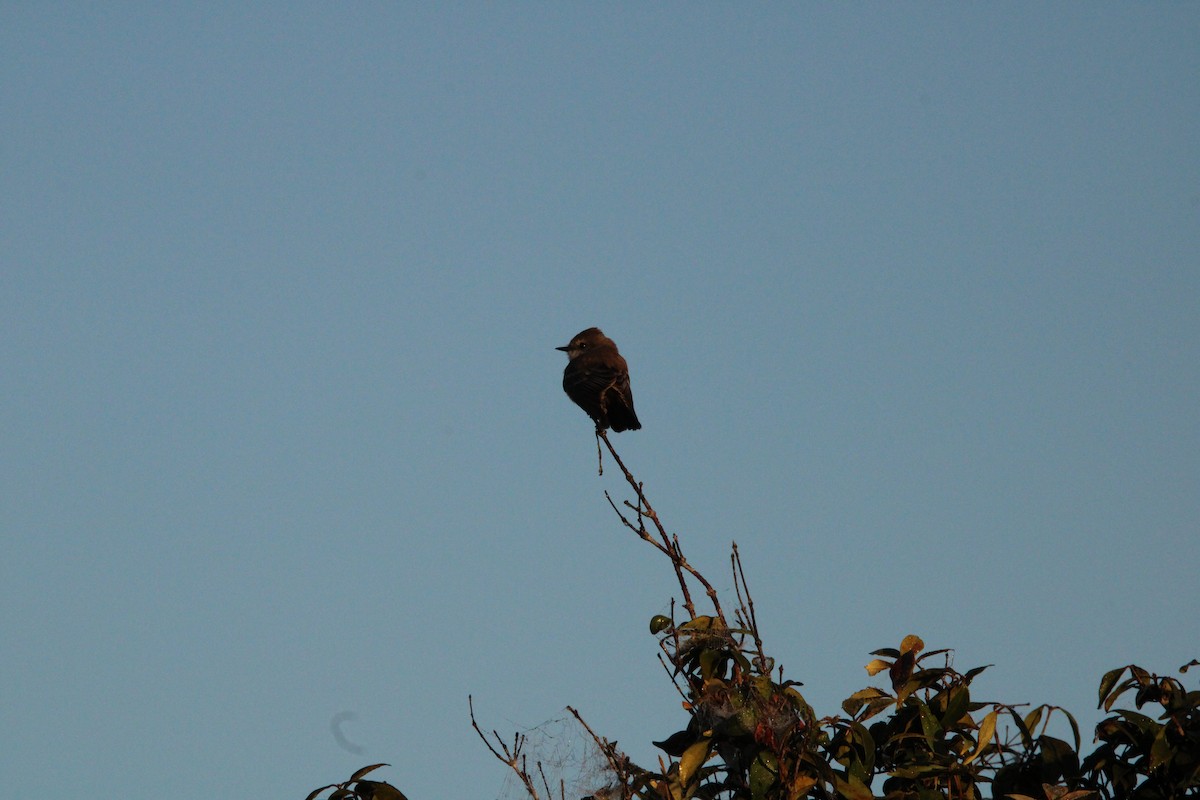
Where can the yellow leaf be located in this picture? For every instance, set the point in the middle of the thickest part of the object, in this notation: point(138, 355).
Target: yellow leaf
point(853, 788)
point(801, 785)
point(692, 759)
point(877, 666)
point(987, 729)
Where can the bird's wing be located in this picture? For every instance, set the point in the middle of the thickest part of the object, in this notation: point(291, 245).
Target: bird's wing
point(591, 381)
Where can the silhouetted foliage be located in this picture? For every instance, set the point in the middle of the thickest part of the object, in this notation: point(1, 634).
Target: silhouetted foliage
point(751, 735)
point(356, 788)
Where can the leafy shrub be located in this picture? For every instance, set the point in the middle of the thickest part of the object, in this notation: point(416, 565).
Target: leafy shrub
point(750, 734)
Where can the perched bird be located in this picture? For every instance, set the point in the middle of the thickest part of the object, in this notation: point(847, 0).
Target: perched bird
point(597, 379)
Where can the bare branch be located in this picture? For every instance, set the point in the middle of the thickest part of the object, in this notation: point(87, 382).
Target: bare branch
point(746, 608)
point(620, 764)
point(668, 544)
point(512, 756)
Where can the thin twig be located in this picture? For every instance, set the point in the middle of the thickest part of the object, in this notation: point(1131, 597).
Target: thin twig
point(746, 605)
point(640, 530)
point(673, 675)
point(512, 756)
point(545, 782)
point(669, 543)
point(620, 764)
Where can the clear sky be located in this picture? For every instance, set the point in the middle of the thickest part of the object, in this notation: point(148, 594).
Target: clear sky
point(910, 296)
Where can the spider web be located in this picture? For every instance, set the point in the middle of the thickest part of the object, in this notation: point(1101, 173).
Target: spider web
point(570, 760)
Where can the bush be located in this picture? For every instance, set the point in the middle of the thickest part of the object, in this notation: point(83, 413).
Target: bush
point(751, 735)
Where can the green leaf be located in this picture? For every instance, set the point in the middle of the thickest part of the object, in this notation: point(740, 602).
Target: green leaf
point(906, 689)
point(1074, 726)
point(796, 699)
point(854, 702)
point(929, 724)
point(931, 653)
point(1058, 756)
point(1120, 690)
point(971, 673)
point(926, 678)
point(1108, 682)
point(875, 706)
point(1148, 693)
point(919, 771)
point(708, 662)
point(376, 790)
point(764, 773)
point(675, 744)
point(315, 792)
point(1161, 751)
point(866, 744)
point(858, 770)
point(366, 770)
point(1026, 738)
point(957, 703)
point(1143, 723)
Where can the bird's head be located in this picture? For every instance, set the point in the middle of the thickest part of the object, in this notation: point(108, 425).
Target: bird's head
point(585, 341)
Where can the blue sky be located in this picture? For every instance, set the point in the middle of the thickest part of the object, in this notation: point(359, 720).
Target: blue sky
point(909, 295)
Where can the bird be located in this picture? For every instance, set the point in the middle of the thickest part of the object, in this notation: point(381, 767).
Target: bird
point(597, 379)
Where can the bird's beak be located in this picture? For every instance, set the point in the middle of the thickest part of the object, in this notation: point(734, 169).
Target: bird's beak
point(564, 348)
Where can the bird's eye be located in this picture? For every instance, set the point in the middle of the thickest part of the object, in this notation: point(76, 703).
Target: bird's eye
point(583, 346)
